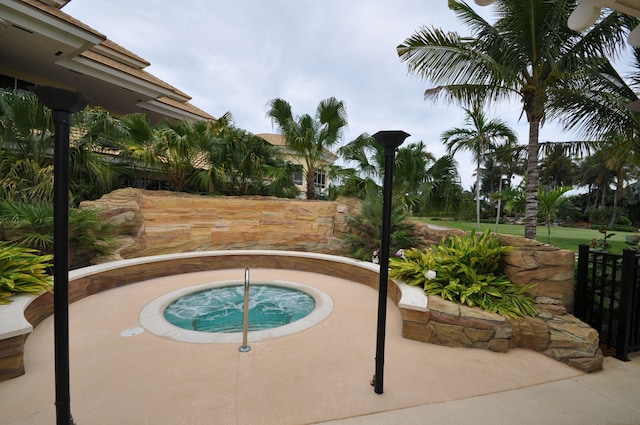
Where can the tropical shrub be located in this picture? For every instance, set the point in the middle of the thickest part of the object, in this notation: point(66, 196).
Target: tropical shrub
point(22, 270)
point(30, 225)
point(465, 270)
point(365, 237)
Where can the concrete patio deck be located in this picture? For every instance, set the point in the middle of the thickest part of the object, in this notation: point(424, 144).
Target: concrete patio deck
point(319, 375)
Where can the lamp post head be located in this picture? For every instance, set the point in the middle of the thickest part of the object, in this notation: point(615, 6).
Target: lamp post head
point(60, 100)
point(390, 138)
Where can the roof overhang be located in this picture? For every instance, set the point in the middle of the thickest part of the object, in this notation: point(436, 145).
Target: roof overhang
point(41, 44)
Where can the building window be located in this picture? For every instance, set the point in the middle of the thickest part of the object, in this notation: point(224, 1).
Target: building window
point(297, 177)
point(7, 82)
point(321, 180)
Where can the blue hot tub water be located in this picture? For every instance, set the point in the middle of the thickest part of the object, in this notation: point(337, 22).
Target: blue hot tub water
point(221, 309)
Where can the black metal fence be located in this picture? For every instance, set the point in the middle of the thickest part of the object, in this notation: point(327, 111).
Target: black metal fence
point(607, 297)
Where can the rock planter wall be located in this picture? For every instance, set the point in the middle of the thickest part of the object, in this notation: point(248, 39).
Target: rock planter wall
point(561, 337)
point(550, 270)
point(554, 332)
point(163, 222)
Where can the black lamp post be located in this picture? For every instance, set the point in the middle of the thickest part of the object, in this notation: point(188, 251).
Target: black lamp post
point(389, 140)
point(62, 104)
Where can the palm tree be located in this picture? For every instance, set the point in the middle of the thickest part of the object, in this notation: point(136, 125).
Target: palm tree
point(240, 163)
point(606, 108)
point(558, 168)
point(310, 136)
point(26, 146)
point(419, 178)
point(550, 203)
point(622, 167)
point(368, 157)
point(479, 136)
point(602, 104)
point(509, 162)
point(174, 148)
point(528, 53)
point(594, 173)
point(96, 140)
point(26, 137)
point(366, 228)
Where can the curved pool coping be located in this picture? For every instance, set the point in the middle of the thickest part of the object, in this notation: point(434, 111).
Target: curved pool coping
point(151, 316)
point(18, 318)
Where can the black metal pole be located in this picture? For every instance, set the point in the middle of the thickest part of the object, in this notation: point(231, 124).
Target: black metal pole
point(625, 315)
point(580, 302)
point(61, 264)
point(62, 103)
point(390, 140)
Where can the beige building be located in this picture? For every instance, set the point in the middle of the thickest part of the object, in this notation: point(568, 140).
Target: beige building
point(322, 174)
point(42, 45)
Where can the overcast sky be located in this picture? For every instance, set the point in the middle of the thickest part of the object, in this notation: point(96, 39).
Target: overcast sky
point(237, 55)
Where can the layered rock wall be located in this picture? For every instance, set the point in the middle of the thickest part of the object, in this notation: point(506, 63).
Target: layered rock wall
point(548, 270)
point(562, 337)
point(161, 222)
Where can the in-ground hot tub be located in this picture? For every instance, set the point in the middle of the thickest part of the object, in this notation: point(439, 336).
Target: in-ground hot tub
point(213, 312)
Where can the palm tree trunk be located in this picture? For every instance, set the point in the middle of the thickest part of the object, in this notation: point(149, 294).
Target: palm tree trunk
point(311, 183)
point(614, 215)
point(533, 178)
point(495, 229)
point(478, 194)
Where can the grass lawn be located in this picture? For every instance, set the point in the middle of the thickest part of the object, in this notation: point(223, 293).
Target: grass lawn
point(561, 237)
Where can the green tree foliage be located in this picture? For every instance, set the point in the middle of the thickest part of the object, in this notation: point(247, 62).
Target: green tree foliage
point(549, 205)
point(30, 225)
point(239, 163)
point(420, 180)
point(26, 151)
point(557, 168)
point(528, 53)
point(480, 137)
point(93, 166)
point(597, 104)
point(466, 270)
point(309, 136)
point(365, 237)
point(172, 147)
point(26, 138)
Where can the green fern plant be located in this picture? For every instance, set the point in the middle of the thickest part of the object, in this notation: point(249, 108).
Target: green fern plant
point(466, 270)
point(31, 226)
point(22, 270)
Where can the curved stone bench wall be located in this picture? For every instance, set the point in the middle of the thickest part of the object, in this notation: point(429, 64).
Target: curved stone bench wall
point(424, 319)
point(14, 329)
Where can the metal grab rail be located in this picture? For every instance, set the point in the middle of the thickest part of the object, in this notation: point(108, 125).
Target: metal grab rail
point(245, 321)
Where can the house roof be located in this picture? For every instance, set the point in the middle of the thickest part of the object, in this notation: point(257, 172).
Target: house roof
point(41, 44)
point(274, 139)
point(278, 140)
